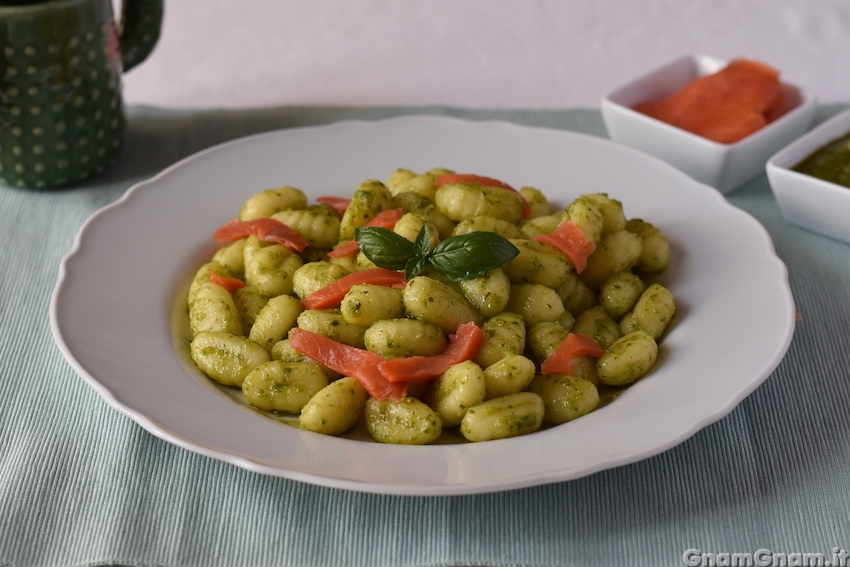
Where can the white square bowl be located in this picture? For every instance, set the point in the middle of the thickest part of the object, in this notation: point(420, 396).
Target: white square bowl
point(806, 201)
point(722, 166)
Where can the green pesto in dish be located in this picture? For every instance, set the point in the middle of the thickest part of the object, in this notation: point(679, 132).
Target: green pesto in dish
point(830, 162)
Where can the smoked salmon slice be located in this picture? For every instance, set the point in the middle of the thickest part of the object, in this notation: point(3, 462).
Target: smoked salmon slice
point(349, 361)
point(333, 294)
point(726, 106)
point(576, 344)
point(462, 346)
point(266, 229)
point(572, 242)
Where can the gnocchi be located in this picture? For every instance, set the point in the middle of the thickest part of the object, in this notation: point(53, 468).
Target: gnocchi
point(335, 408)
point(247, 316)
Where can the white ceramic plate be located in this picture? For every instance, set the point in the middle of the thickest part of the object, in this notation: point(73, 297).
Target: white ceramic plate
point(111, 307)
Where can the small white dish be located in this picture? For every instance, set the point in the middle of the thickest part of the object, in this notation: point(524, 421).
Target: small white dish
point(722, 166)
point(806, 201)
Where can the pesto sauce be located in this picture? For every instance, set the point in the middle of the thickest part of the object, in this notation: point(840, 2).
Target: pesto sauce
point(830, 163)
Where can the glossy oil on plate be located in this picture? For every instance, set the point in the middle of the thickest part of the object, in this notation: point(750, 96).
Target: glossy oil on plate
point(112, 305)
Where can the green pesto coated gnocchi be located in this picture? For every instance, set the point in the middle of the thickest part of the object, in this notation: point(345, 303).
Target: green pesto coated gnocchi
point(611, 210)
point(506, 416)
point(535, 303)
point(394, 338)
point(437, 303)
point(655, 251)
point(283, 386)
point(399, 180)
point(504, 334)
point(248, 303)
point(410, 224)
point(456, 390)
point(565, 398)
point(488, 224)
point(586, 215)
point(508, 376)
point(620, 292)
point(318, 225)
point(489, 294)
point(231, 258)
point(270, 267)
point(425, 185)
point(537, 202)
point(598, 325)
point(214, 310)
point(202, 276)
point(460, 201)
point(313, 276)
point(617, 252)
point(365, 304)
point(544, 338)
point(404, 180)
point(275, 320)
point(370, 198)
point(331, 324)
point(363, 263)
point(537, 263)
point(490, 385)
point(576, 295)
point(266, 203)
point(226, 358)
point(652, 313)
point(409, 421)
point(348, 262)
point(539, 225)
point(628, 359)
point(584, 367)
point(283, 351)
point(335, 408)
point(425, 208)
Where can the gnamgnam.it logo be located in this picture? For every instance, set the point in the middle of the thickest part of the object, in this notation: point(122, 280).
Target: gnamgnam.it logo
point(766, 558)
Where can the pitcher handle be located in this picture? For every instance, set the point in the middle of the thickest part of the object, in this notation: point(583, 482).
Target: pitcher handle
point(141, 21)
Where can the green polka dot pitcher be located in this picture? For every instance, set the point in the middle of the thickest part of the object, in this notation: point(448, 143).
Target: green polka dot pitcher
point(61, 112)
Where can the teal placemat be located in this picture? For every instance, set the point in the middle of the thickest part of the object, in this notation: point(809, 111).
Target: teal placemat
point(80, 484)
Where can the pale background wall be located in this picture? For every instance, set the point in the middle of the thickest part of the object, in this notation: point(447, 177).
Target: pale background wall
point(472, 53)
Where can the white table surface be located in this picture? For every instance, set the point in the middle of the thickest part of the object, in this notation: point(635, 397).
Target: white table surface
point(534, 54)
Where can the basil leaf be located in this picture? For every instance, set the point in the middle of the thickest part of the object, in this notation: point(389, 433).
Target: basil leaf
point(422, 244)
point(383, 247)
point(415, 266)
point(422, 247)
point(458, 258)
point(472, 255)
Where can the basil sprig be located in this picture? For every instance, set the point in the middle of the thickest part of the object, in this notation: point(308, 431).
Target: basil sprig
point(458, 258)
